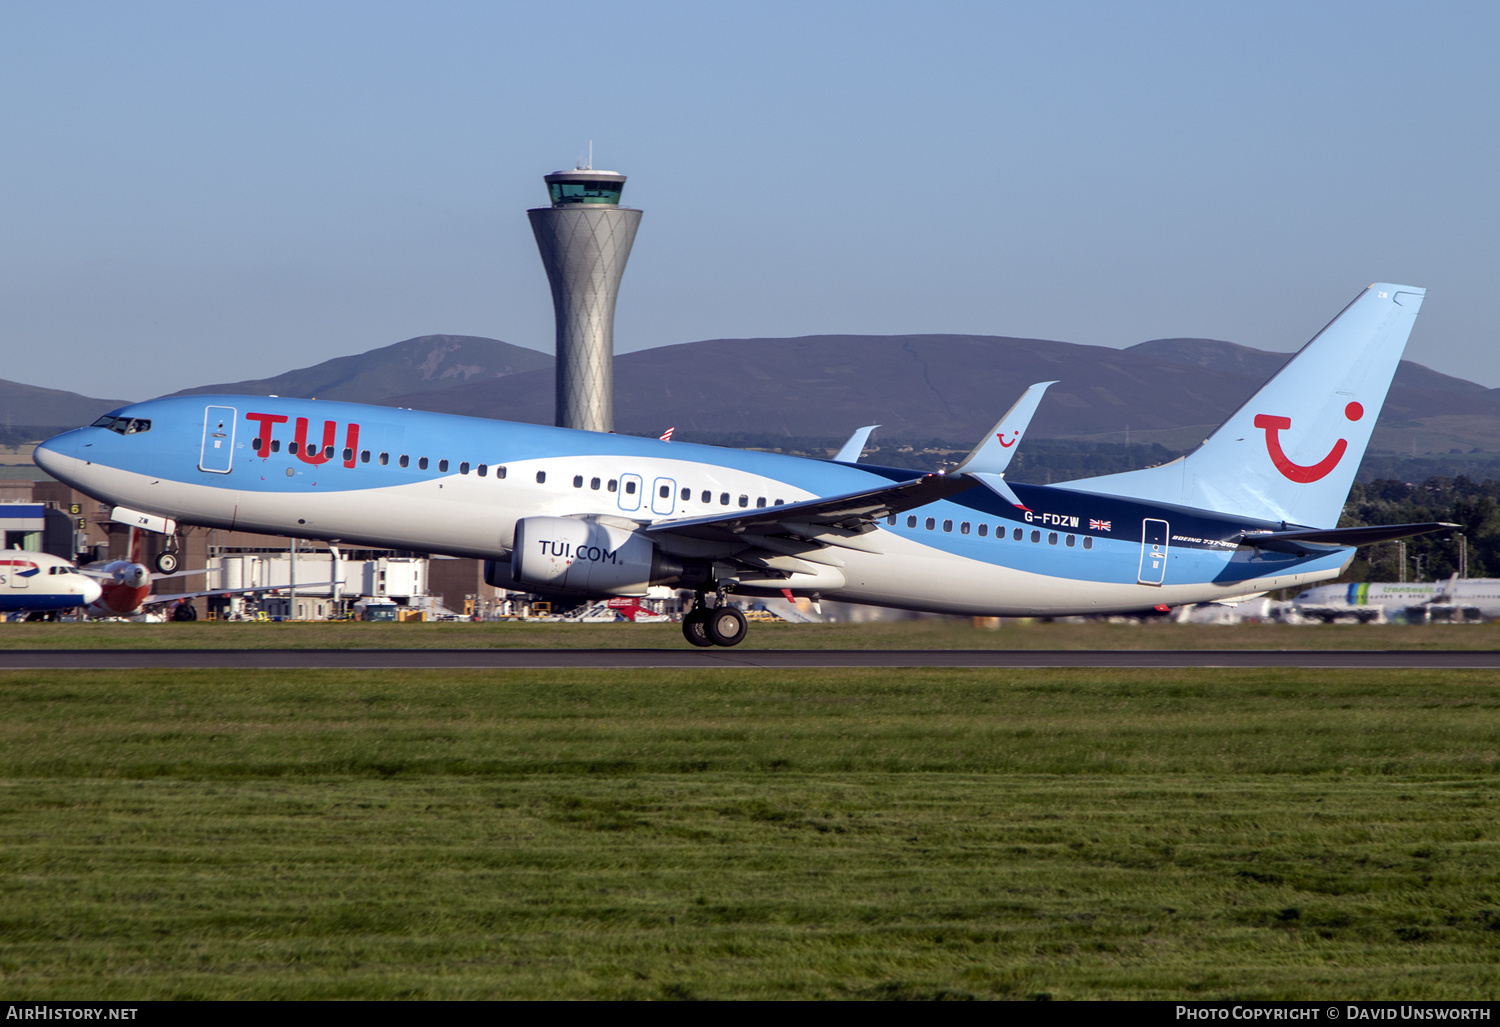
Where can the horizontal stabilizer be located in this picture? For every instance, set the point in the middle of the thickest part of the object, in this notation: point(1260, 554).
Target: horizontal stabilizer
point(1363, 536)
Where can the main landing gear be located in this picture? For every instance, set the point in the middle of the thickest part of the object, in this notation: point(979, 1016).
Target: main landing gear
point(720, 624)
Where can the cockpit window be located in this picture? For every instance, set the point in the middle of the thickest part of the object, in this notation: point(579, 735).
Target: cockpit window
point(123, 425)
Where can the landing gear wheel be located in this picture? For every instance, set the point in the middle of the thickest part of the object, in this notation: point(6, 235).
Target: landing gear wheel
point(166, 563)
point(726, 625)
point(695, 627)
point(185, 612)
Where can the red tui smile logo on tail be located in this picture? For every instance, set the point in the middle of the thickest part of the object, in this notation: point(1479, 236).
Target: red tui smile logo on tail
point(1000, 437)
point(1303, 474)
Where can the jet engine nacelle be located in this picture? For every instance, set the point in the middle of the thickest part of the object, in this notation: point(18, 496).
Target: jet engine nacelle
point(569, 554)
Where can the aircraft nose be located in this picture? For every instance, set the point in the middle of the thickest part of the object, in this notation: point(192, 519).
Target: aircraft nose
point(56, 453)
point(91, 591)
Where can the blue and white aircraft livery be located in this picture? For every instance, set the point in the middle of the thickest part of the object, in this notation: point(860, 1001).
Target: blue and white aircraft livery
point(40, 583)
point(574, 513)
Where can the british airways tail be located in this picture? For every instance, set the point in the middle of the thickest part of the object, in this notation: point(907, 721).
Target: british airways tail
point(1291, 452)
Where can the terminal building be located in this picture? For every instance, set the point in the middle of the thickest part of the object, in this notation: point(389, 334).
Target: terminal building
point(49, 516)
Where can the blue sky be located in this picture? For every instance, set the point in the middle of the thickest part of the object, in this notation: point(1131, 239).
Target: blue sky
point(200, 192)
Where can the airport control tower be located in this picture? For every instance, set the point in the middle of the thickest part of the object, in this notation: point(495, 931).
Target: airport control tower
point(585, 239)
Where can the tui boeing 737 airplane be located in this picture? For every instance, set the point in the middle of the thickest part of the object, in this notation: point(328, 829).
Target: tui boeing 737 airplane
point(573, 513)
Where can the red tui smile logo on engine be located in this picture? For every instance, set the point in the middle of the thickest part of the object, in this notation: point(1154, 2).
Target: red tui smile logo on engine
point(1303, 474)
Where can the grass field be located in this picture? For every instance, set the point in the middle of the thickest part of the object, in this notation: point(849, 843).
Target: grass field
point(723, 834)
point(914, 634)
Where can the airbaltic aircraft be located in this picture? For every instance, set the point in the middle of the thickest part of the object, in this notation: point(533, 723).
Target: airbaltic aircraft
point(564, 512)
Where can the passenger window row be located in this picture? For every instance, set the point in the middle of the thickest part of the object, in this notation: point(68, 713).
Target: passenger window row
point(594, 483)
point(384, 459)
point(483, 470)
point(706, 497)
point(982, 530)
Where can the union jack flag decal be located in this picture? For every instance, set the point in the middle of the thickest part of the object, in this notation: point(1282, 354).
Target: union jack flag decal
point(1098, 525)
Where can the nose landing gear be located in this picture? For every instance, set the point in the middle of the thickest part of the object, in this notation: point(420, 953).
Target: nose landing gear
point(166, 561)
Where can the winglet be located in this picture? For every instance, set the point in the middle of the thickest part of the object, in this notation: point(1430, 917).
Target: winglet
point(992, 455)
point(851, 451)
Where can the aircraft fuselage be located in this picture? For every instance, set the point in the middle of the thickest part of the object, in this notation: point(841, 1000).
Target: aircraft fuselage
point(406, 479)
point(42, 583)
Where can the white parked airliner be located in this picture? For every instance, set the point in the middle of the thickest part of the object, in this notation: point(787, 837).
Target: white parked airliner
point(1362, 599)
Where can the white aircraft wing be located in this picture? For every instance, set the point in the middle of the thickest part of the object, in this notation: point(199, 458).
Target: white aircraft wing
point(751, 537)
point(103, 575)
point(172, 597)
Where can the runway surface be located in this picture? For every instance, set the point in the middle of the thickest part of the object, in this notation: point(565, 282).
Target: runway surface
point(697, 659)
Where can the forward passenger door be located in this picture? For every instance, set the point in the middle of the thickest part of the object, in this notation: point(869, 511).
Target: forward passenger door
point(217, 454)
point(630, 492)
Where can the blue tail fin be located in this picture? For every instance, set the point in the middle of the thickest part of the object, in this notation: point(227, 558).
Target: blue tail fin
point(1291, 452)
